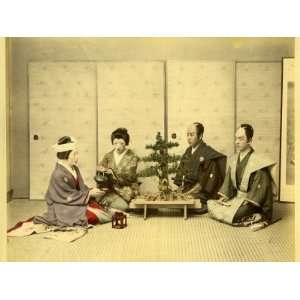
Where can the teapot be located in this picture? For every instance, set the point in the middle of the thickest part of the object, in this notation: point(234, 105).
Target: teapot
point(104, 180)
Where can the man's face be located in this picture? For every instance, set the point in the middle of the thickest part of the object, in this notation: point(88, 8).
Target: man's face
point(241, 140)
point(191, 135)
point(119, 145)
point(73, 158)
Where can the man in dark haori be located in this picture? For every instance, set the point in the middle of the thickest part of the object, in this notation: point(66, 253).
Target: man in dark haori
point(202, 169)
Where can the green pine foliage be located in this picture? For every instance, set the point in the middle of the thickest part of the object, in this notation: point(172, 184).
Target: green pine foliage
point(163, 163)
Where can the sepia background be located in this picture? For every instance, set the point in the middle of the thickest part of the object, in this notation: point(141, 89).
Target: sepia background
point(90, 86)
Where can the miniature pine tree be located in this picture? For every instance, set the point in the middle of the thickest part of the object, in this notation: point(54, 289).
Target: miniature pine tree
point(165, 163)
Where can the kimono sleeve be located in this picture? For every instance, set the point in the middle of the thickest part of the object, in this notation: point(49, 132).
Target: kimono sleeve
point(180, 171)
point(227, 189)
point(209, 178)
point(259, 187)
point(128, 174)
point(63, 192)
point(105, 161)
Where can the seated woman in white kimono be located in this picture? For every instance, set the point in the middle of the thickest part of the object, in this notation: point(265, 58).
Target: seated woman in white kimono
point(122, 163)
point(68, 198)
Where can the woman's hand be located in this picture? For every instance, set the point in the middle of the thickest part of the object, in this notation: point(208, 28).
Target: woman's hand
point(101, 169)
point(109, 171)
point(95, 192)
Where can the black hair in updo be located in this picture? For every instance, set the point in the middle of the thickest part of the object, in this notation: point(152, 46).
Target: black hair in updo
point(120, 133)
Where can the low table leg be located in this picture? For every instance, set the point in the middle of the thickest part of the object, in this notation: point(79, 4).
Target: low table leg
point(185, 211)
point(145, 211)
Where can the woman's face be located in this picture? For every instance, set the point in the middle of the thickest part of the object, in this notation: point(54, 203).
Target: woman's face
point(73, 158)
point(119, 145)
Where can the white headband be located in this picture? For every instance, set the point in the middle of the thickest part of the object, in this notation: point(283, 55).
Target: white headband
point(65, 147)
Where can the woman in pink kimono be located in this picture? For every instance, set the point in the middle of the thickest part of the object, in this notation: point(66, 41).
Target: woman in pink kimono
point(122, 163)
point(68, 197)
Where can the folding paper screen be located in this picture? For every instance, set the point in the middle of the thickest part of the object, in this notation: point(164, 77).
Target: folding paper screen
point(287, 187)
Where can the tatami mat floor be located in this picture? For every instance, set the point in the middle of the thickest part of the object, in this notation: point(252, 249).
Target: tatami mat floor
point(164, 236)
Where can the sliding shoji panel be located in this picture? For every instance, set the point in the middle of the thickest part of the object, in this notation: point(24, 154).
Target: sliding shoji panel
point(131, 95)
point(259, 104)
point(202, 91)
point(62, 97)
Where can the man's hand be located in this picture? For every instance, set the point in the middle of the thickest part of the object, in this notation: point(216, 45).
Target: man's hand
point(223, 201)
point(195, 189)
point(179, 190)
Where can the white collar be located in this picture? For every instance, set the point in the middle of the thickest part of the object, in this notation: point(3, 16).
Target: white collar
point(118, 156)
point(244, 153)
point(194, 149)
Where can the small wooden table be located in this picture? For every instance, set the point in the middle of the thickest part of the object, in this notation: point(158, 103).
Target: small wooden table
point(174, 204)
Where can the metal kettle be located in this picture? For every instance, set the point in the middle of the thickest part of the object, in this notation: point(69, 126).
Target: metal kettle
point(104, 180)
